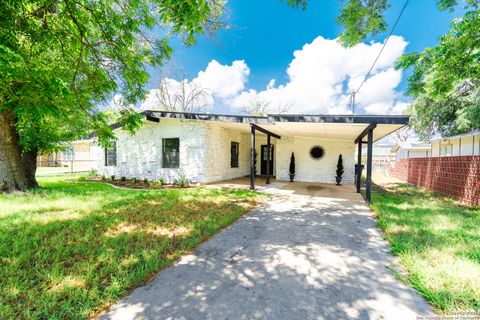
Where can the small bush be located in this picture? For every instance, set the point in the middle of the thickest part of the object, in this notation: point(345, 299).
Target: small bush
point(133, 180)
point(123, 178)
point(104, 178)
point(161, 181)
point(113, 178)
point(93, 173)
point(82, 178)
point(145, 180)
point(181, 181)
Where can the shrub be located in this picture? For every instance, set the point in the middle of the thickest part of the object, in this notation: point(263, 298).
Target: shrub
point(92, 174)
point(82, 178)
point(113, 178)
point(161, 181)
point(145, 180)
point(292, 164)
point(123, 178)
point(181, 181)
point(104, 178)
point(133, 180)
point(340, 166)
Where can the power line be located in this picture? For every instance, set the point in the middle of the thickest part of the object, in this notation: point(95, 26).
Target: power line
point(379, 53)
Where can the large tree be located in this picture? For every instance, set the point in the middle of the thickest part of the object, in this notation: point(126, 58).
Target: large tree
point(445, 80)
point(61, 59)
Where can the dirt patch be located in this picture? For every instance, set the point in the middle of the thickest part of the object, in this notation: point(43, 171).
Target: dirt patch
point(314, 188)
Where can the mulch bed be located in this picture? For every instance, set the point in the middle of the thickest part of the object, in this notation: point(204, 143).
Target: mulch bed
point(139, 184)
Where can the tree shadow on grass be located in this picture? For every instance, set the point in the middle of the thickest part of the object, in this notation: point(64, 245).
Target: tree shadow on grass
point(298, 257)
point(428, 230)
point(70, 267)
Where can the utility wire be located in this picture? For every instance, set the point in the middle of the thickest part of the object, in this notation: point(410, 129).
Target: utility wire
point(379, 53)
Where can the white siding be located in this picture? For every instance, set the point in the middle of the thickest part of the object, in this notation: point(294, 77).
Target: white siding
point(435, 149)
point(205, 153)
point(218, 140)
point(466, 146)
point(140, 156)
point(309, 170)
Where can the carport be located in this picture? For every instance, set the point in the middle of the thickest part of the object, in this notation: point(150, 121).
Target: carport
point(359, 129)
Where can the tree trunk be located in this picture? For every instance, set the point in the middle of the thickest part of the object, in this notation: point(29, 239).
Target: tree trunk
point(29, 162)
point(12, 173)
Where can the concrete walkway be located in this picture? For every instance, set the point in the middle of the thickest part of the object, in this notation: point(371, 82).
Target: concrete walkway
point(310, 252)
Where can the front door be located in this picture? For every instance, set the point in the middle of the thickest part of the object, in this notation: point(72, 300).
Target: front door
point(263, 165)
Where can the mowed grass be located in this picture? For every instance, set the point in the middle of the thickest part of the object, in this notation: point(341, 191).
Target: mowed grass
point(437, 241)
point(70, 249)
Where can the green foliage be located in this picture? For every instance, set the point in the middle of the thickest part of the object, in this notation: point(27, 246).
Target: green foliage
point(84, 245)
point(61, 60)
point(113, 178)
point(340, 166)
point(92, 173)
point(145, 180)
point(123, 178)
point(133, 180)
point(361, 18)
point(161, 181)
point(297, 3)
point(181, 181)
point(446, 80)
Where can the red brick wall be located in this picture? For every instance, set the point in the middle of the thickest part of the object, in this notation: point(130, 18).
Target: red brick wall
point(454, 176)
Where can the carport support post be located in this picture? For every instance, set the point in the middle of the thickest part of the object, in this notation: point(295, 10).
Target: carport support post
point(267, 180)
point(359, 163)
point(252, 158)
point(368, 190)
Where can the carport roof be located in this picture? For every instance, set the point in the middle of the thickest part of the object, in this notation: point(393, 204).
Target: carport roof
point(342, 127)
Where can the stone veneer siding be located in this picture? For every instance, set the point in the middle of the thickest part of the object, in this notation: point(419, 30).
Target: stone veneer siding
point(458, 177)
point(140, 156)
point(205, 153)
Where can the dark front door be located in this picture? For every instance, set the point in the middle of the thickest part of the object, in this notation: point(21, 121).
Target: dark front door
point(263, 165)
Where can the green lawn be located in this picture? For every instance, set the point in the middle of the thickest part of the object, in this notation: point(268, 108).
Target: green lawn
point(437, 242)
point(72, 248)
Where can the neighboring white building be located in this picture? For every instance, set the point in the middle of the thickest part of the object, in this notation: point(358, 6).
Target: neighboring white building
point(403, 150)
point(207, 147)
point(467, 144)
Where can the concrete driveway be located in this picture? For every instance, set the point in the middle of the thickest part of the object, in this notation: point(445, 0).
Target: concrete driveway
point(310, 252)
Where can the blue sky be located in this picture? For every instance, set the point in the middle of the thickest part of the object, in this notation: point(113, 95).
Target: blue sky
point(264, 35)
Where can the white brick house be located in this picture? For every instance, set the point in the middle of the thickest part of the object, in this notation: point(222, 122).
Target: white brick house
point(208, 147)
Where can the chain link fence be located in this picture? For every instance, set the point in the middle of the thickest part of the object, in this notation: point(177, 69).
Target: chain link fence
point(52, 167)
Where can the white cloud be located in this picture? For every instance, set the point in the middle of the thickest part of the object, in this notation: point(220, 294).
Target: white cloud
point(223, 80)
point(322, 75)
point(320, 78)
point(220, 81)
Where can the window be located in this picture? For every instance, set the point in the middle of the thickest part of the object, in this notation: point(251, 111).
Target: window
point(446, 151)
point(234, 146)
point(111, 154)
point(171, 153)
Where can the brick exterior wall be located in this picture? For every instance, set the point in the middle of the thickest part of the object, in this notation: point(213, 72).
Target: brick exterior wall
point(458, 177)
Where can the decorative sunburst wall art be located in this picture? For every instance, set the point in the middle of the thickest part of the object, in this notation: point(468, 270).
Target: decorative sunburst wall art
point(317, 152)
